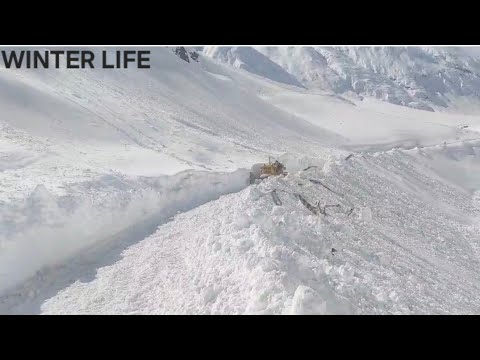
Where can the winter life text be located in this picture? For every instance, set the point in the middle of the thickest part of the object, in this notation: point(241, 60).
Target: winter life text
point(75, 59)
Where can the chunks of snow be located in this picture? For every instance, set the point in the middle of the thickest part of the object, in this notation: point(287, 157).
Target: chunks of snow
point(307, 301)
point(44, 230)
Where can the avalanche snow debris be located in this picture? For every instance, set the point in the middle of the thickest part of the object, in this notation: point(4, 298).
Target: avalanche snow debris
point(259, 258)
point(45, 230)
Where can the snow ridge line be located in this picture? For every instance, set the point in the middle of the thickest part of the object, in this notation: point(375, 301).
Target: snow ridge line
point(465, 143)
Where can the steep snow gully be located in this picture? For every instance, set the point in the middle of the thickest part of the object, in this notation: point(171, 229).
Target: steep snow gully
point(389, 232)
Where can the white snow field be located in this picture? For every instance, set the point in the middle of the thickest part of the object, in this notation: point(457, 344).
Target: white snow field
point(126, 192)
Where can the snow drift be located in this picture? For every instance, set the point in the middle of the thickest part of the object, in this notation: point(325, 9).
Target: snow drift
point(44, 230)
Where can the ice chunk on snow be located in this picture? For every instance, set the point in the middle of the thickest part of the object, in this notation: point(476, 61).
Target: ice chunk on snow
point(307, 301)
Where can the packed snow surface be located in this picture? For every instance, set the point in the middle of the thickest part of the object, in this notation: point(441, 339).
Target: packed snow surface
point(126, 191)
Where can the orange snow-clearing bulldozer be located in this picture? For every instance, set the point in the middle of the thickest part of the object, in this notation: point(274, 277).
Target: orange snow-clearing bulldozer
point(262, 171)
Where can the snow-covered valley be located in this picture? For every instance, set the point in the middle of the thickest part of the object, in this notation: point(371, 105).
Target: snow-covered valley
point(126, 192)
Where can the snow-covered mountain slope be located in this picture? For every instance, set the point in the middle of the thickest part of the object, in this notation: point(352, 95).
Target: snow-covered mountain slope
point(117, 186)
point(173, 116)
point(249, 59)
point(86, 135)
point(396, 238)
point(424, 78)
point(374, 125)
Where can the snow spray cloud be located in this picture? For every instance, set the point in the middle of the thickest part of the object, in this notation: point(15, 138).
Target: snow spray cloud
point(75, 59)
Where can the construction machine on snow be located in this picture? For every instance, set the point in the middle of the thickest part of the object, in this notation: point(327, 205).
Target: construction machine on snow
point(263, 171)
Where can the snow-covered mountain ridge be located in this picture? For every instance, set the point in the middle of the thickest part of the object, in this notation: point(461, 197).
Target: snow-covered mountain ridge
point(427, 78)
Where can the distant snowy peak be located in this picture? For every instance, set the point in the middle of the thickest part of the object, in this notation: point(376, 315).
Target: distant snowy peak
point(427, 78)
point(417, 77)
point(305, 63)
point(249, 59)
